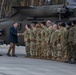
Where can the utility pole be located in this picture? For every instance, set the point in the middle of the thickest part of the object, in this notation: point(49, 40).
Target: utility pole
point(1, 8)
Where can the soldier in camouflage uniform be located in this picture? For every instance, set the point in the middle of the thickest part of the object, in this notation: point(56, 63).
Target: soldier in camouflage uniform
point(50, 30)
point(72, 43)
point(54, 42)
point(43, 40)
point(33, 40)
point(26, 35)
point(62, 49)
point(66, 37)
point(38, 41)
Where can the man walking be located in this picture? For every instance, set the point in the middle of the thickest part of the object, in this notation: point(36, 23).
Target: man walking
point(13, 39)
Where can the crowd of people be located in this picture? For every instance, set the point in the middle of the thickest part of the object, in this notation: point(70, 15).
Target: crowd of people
point(44, 40)
point(55, 42)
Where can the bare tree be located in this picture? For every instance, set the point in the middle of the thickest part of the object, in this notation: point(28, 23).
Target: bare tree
point(1, 8)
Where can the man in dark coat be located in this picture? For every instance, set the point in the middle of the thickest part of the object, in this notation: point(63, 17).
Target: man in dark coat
point(13, 39)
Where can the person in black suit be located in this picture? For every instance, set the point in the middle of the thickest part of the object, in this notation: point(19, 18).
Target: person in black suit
point(13, 39)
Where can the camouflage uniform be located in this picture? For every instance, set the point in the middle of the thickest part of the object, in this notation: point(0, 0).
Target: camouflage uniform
point(63, 47)
point(43, 42)
point(26, 35)
point(66, 37)
point(54, 42)
point(38, 43)
point(33, 42)
point(72, 43)
point(50, 30)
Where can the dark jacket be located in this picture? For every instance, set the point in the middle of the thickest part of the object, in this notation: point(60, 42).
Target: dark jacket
point(13, 38)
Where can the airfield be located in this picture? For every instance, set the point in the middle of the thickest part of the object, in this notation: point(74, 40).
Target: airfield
point(30, 66)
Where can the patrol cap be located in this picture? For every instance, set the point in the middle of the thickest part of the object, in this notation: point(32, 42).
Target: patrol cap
point(63, 24)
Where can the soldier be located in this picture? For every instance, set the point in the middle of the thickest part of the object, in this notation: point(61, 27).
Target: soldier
point(43, 40)
point(54, 42)
point(62, 49)
point(26, 35)
point(69, 25)
point(33, 40)
point(72, 43)
point(50, 30)
point(38, 41)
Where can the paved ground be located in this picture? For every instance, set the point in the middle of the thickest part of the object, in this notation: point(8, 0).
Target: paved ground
point(27, 66)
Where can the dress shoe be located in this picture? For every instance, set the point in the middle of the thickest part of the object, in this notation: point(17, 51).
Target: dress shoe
point(9, 55)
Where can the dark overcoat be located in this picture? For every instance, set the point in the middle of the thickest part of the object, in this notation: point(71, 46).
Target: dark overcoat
point(13, 38)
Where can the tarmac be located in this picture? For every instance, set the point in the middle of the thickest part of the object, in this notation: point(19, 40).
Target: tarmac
point(30, 66)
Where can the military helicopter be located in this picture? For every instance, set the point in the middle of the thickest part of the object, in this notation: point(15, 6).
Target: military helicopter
point(25, 15)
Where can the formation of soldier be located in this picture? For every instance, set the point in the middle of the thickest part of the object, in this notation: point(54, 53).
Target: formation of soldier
point(55, 42)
